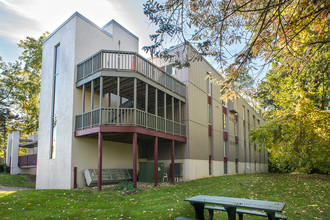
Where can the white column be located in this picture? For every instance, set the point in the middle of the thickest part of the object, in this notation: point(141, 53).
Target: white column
point(83, 100)
point(165, 112)
point(92, 95)
point(146, 104)
point(9, 146)
point(101, 97)
point(135, 98)
point(156, 108)
point(14, 169)
point(118, 95)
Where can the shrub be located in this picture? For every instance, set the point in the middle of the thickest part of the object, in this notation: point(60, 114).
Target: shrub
point(7, 168)
point(126, 186)
point(4, 168)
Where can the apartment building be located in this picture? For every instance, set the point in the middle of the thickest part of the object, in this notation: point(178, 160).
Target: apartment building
point(104, 106)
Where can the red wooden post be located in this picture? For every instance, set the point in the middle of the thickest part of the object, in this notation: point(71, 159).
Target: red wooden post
point(134, 159)
point(172, 161)
point(75, 186)
point(156, 160)
point(99, 183)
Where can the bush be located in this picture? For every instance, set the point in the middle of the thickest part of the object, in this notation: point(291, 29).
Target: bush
point(4, 168)
point(126, 186)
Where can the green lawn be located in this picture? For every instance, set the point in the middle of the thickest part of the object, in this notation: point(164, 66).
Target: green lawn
point(15, 180)
point(306, 197)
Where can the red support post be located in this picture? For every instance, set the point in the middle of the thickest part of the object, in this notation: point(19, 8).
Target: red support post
point(134, 159)
point(172, 161)
point(75, 185)
point(156, 161)
point(99, 183)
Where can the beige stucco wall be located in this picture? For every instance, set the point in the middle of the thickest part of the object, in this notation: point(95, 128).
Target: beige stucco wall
point(85, 151)
point(127, 41)
point(199, 144)
point(79, 39)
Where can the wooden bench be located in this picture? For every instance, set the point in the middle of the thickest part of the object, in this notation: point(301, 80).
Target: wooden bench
point(241, 212)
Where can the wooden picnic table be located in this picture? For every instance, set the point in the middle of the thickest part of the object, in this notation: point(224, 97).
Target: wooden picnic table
point(231, 204)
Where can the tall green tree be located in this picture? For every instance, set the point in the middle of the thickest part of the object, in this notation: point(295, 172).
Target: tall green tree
point(20, 89)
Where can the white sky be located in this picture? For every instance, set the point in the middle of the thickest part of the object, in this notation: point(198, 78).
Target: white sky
point(22, 18)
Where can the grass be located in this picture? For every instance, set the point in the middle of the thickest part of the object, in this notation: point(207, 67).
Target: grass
point(306, 197)
point(15, 180)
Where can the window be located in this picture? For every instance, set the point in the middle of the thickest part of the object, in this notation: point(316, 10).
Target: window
point(225, 148)
point(248, 118)
point(235, 128)
point(208, 84)
point(225, 159)
point(243, 113)
point(224, 122)
point(55, 103)
point(169, 69)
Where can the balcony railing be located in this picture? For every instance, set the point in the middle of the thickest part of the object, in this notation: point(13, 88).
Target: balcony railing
point(27, 161)
point(128, 61)
point(129, 117)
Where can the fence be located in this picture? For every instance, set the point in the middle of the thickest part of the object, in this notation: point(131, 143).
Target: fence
point(27, 160)
point(129, 117)
point(128, 61)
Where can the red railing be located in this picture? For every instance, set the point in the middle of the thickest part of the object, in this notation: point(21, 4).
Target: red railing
point(27, 161)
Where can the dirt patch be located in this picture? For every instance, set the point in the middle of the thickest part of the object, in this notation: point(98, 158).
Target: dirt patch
point(140, 185)
point(32, 178)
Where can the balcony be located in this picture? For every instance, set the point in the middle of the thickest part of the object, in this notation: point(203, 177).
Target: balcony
point(27, 161)
point(128, 62)
point(128, 117)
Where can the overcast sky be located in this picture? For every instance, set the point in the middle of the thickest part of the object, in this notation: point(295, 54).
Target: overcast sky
point(22, 18)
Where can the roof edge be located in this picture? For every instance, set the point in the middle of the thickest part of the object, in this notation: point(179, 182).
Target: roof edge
point(82, 17)
point(119, 25)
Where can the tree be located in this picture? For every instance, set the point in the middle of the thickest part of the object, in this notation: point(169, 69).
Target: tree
point(290, 35)
point(295, 100)
point(298, 140)
point(264, 28)
point(20, 89)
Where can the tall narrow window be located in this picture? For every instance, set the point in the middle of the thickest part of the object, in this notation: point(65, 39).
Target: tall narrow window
point(55, 103)
point(208, 84)
point(243, 113)
point(225, 157)
point(248, 119)
point(225, 149)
